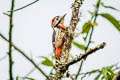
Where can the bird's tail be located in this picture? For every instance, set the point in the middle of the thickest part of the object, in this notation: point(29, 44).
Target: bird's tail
point(58, 52)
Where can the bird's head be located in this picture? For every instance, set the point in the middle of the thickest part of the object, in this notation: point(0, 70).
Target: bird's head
point(58, 22)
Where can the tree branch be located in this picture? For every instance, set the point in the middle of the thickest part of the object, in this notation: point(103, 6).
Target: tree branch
point(74, 20)
point(20, 51)
point(10, 40)
point(77, 59)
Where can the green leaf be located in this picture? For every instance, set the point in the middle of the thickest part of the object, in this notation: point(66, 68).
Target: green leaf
point(110, 7)
point(105, 71)
point(53, 57)
point(17, 78)
point(112, 20)
point(46, 62)
point(111, 73)
point(80, 46)
point(86, 28)
point(102, 78)
point(108, 73)
point(98, 76)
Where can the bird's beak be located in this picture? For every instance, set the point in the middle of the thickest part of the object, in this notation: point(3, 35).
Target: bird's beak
point(62, 21)
point(63, 16)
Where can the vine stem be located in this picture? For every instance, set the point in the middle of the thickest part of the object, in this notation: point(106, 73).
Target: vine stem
point(79, 69)
point(95, 18)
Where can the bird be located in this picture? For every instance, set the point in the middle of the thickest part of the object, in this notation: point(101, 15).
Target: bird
point(58, 37)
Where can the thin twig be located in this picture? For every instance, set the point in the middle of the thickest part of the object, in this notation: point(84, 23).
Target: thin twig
point(29, 59)
point(79, 70)
point(32, 70)
point(2, 58)
point(69, 75)
point(97, 70)
point(10, 40)
point(6, 14)
point(25, 6)
point(51, 72)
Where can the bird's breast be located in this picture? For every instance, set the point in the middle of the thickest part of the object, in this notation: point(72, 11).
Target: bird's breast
point(59, 38)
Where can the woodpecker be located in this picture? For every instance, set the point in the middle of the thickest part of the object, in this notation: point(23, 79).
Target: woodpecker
point(58, 37)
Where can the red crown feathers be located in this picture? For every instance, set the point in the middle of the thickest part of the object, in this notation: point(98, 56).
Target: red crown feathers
point(53, 20)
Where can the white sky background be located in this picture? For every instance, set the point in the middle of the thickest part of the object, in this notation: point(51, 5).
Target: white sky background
point(32, 33)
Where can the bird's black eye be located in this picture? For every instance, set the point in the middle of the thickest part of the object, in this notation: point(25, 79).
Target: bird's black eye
point(57, 18)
